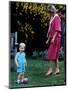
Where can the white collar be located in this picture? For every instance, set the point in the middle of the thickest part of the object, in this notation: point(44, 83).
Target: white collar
point(52, 18)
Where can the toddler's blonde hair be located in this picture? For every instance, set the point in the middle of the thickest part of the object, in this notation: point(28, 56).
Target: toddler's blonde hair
point(22, 44)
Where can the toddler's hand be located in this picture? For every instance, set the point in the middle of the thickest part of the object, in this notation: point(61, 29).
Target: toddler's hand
point(26, 65)
point(17, 65)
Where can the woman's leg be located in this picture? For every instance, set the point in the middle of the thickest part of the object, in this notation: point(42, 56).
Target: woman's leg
point(57, 67)
point(50, 69)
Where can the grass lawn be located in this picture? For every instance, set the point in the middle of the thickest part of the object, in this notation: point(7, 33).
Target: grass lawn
point(35, 71)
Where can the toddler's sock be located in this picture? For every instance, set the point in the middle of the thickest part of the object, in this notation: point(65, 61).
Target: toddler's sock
point(21, 81)
point(18, 81)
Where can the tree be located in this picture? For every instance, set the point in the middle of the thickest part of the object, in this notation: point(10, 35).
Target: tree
point(31, 20)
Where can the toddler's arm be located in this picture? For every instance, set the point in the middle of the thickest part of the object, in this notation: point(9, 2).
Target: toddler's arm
point(16, 62)
point(25, 60)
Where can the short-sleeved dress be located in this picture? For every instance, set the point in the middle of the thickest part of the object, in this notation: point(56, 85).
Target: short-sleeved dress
point(53, 50)
point(20, 57)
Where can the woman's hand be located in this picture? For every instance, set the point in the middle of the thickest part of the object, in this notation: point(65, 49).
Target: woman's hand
point(52, 41)
point(47, 41)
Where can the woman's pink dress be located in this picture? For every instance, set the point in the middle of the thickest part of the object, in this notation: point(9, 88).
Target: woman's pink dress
point(53, 50)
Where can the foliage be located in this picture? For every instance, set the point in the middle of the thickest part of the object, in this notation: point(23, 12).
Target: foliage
point(32, 19)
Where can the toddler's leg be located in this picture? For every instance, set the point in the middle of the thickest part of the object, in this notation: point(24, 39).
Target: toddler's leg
point(19, 77)
point(22, 77)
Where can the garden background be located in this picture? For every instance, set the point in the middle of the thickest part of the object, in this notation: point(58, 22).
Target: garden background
point(31, 21)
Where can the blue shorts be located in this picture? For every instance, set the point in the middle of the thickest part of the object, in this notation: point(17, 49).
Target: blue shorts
point(21, 68)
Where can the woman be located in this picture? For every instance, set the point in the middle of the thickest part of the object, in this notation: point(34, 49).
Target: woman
point(54, 35)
